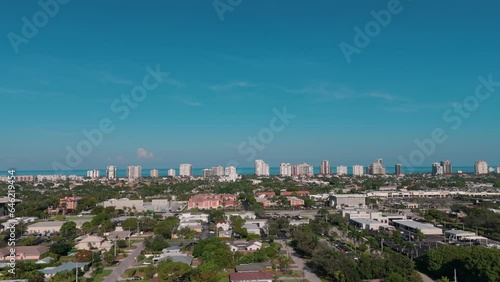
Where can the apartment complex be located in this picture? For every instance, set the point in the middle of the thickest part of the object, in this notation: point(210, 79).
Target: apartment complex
point(134, 172)
point(358, 170)
point(212, 201)
point(377, 168)
point(342, 170)
point(94, 173)
point(302, 170)
point(111, 172)
point(285, 169)
point(398, 169)
point(481, 167)
point(153, 173)
point(325, 168)
point(186, 170)
point(261, 168)
point(171, 172)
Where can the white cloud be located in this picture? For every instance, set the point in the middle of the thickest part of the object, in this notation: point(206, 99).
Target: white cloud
point(144, 154)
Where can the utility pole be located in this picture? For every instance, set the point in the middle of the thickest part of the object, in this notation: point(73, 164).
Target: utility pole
point(129, 235)
point(455, 274)
point(76, 272)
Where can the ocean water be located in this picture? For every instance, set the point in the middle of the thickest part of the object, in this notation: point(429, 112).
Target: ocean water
point(198, 171)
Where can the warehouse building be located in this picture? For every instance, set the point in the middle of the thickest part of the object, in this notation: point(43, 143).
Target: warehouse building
point(413, 226)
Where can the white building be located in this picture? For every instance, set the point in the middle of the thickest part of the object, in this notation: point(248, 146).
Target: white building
point(111, 172)
point(358, 170)
point(303, 170)
point(342, 170)
point(376, 168)
point(348, 200)
point(498, 170)
point(325, 168)
point(134, 172)
point(94, 173)
point(481, 167)
point(171, 172)
point(186, 170)
point(437, 169)
point(261, 168)
point(285, 169)
point(230, 170)
point(153, 173)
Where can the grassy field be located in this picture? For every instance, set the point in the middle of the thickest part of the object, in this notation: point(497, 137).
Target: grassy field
point(102, 275)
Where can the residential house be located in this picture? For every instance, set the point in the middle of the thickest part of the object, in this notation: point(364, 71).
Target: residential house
point(23, 253)
point(244, 246)
point(49, 272)
point(89, 242)
point(224, 226)
point(253, 267)
point(295, 193)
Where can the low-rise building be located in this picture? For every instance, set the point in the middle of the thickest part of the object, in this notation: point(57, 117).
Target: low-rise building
point(49, 272)
point(414, 226)
point(243, 246)
point(23, 253)
point(348, 200)
point(252, 228)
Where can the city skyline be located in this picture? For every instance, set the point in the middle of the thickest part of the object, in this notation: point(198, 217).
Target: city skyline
point(279, 78)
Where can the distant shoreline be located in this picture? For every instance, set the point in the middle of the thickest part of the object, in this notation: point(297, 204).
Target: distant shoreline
point(198, 171)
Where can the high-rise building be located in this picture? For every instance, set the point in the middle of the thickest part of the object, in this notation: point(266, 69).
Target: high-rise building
point(153, 173)
point(303, 170)
point(230, 170)
point(342, 170)
point(498, 169)
point(261, 168)
point(357, 170)
point(481, 167)
point(325, 168)
point(134, 172)
point(186, 170)
point(285, 169)
point(376, 168)
point(447, 167)
point(171, 172)
point(218, 170)
point(398, 169)
point(94, 173)
point(111, 172)
point(437, 169)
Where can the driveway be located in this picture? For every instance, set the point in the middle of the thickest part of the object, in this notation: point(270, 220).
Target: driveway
point(309, 276)
point(125, 263)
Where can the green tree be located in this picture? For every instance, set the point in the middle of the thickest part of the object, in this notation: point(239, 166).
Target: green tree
point(173, 271)
point(130, 224)
point(61, 248)
point(68, 230)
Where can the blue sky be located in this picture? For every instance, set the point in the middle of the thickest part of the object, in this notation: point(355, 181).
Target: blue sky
point(226, 77)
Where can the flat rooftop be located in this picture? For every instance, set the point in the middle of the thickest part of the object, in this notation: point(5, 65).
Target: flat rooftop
point(415, 224)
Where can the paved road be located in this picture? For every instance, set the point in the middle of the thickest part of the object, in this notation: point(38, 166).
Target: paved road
point(425, 278)
point(309, 276)
point(124, 264)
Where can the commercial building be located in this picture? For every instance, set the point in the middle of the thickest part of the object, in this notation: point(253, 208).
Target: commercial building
point(325, 168)
point(376, 168)
point(153, 173)
point(124, 204)
point(366, 223)
point(285, 170)
point(171, 172)
point(481, 167)
point(447, 167)
point(261, 168)
point(342, 170)
point(398, 169)
point(413, 226)
point(212, 201)
point(348, 200)
point(94, 173)
point(186, 170)
point(302, 170)
point(357, 170)
point(111, 172)
point(134, 172)
point(45, 227)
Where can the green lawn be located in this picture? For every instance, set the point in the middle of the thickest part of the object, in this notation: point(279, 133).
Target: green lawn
point(102, 275)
